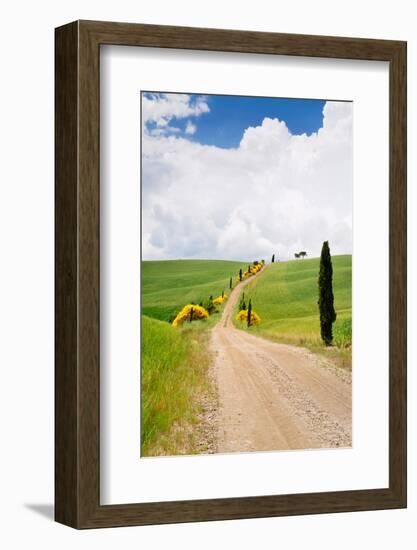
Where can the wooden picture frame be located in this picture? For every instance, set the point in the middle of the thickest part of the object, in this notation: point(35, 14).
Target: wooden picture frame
point(77, 359)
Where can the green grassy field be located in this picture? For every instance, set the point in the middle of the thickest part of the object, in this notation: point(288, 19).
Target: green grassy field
point(175, 361)
point(168, 285)
point(173, 377)
point(285, 296)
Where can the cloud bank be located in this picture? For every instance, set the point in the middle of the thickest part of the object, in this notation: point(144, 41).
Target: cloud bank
point(276, 193)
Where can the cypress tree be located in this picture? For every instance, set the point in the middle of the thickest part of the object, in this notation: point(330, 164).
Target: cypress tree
point(273, 258)
point(249, 312)
point(326, 298)
point(222, 293)
point(230, 283)
point(240, 274)
point(191, 314)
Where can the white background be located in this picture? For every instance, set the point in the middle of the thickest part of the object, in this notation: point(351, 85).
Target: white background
point(126, 478)
point(26, 287)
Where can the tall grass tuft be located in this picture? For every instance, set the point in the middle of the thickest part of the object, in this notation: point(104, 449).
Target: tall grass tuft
point(342, 333)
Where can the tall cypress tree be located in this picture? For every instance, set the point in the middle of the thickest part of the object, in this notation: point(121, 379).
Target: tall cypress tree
point(249, 312)
point(240, 274)
point(326, 298)
point(273, 258)
point(242, 303)
point(230, 283)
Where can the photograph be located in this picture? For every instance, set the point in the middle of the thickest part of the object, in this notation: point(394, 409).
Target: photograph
point(246, 273)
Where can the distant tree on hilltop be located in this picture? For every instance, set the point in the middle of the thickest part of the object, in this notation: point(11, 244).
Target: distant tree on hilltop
point(301, 254)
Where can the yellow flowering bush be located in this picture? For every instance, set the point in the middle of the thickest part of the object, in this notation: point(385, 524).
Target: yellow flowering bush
point(220, 299)
point(243, 316)
point(198, 312)
point(252, 270)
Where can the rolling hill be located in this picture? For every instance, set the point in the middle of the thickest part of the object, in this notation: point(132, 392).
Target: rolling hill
point(285, 296)
point(170, 284)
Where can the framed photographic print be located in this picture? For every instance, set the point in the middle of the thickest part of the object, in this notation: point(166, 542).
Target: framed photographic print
point(230, 274)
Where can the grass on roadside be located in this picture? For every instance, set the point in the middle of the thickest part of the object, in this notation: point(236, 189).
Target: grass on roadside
point(175, 363)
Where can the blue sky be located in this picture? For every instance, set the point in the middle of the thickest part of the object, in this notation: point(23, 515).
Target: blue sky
point(227, 117)
point(257, 189)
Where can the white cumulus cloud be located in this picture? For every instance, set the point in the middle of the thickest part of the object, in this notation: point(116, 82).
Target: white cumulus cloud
point(160, 108)
point(276, 193)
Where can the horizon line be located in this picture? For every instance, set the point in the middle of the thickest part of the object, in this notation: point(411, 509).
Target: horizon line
point(233, 259)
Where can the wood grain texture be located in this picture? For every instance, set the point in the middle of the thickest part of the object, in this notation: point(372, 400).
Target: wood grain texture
point(77, 332)
point(398, 273)
point(66, 304)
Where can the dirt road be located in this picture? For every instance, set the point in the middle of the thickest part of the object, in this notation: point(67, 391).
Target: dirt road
point(275, 396)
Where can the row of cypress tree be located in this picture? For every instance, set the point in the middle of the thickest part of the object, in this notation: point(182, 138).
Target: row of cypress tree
point(326, 296)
